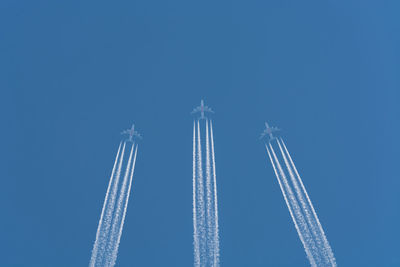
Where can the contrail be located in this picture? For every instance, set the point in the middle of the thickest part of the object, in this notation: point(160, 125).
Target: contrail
point(205, 211)
point(195, 233)
point(200, 193)
point(216, 228)
point(304, 205)
point(294, 209)
point(118, 213)
point(100, 226)
point(121, 226)
point(109, 212)
point(210, 211)
point(327, 247)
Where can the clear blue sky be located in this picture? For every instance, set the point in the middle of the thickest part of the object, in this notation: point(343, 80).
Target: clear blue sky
point(74, 74)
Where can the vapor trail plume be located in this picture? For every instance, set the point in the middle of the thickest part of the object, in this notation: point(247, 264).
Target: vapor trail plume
point(210, 211)
point(118, 213)
point(121, 226)
point(216, 228)
point(304, 206)
point(205, 211)
point(195, 232)
point(294, 209)
point(100, 226)
point(109, 212)
point(327, 247)
point(200, 194)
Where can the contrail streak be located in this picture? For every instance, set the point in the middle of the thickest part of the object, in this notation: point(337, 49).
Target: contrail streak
point(200, 193)
point(109, 212)
point(121, 226)
point(304, 205)
point(195, 233)
point(118, 213)
point(210, 211)
point(216, 228)
point(205, 211)
point(100, 226)
point(294, 209)
point(327, 247)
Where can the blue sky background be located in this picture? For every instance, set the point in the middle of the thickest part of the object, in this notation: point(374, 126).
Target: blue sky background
point(74, 74)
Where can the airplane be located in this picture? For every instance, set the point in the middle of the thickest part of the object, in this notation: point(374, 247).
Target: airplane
point(132, 133)
point(202, 109)
point(268, 131)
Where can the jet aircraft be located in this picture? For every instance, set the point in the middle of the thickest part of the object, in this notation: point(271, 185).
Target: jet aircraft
point(202, 109)
point(268, 132)
point(131, 133)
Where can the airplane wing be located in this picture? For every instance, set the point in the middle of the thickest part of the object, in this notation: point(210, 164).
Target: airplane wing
point(196, 110)
point(208, 109)
point(137, 135)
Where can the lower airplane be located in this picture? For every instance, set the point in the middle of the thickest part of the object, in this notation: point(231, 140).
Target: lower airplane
point(131, 133)
point(268, 132)
point(202, 109)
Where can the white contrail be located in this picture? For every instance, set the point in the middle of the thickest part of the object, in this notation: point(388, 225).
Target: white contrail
point(121, 226)
point(118, 213)
point(100, 226)
point(303, 233)
point(100, 259)
point(200, 193)
point(304, 206)
point(216, 228)
point(298, 214)
point(210, 211)
point(328, 248)
point(195, 233)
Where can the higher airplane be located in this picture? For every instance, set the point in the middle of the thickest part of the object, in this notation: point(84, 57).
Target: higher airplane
point(131, 133)
point(202, 109)
point(268, 132)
